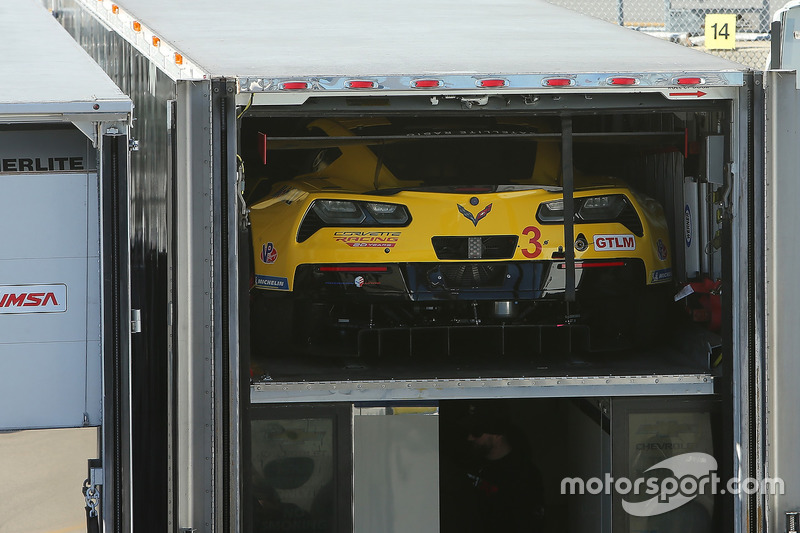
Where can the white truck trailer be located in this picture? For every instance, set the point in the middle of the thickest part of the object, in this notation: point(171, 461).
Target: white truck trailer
point(63, 268)
point(370, 438)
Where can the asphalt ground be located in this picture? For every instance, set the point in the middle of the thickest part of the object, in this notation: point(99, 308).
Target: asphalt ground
point(41, 476)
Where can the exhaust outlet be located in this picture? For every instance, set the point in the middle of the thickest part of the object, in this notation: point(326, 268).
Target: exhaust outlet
point(505, 309)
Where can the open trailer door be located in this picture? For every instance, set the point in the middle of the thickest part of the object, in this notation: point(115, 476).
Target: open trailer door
point(780, 399)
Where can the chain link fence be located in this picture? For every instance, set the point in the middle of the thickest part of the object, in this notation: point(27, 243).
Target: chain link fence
point(685, 21)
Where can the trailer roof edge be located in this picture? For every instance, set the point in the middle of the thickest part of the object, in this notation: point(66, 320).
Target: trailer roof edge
point(45, 72)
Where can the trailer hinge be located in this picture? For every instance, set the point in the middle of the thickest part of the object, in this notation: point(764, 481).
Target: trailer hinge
point(133, 145)
point(136, 321)
point(793, 522)
point(92, 487)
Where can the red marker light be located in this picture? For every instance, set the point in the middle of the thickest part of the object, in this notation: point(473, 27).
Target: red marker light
point(354, 269)
point(557, 82)
point(689, 81)
point(426, 84)
point(295, 85)
point(623, 81)
point(581, 264)
point(492, 83)
point(361, 84)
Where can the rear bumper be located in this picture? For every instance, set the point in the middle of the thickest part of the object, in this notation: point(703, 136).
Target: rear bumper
point(448, 281)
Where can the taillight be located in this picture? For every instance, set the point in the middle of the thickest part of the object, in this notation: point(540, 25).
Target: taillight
point(594, 210)
point(689, 81)
point(351, 214)
point(339, 212)
point(599, 208)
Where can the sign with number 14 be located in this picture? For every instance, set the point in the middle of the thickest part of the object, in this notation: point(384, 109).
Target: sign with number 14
point(720, 32)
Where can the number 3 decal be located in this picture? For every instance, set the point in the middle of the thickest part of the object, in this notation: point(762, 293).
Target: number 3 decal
point(534, 240)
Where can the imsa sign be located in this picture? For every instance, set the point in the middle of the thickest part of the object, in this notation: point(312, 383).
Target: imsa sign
point(18, 299)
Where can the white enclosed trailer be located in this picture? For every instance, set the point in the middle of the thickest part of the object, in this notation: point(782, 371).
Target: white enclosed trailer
point(207, 76)
point(63, 265)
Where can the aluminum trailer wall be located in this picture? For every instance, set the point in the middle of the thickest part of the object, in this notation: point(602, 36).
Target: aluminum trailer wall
point(65, 321)
point(780, 372)
point(778, 376)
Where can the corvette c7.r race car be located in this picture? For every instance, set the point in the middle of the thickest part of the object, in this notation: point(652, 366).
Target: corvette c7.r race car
point(427, 234)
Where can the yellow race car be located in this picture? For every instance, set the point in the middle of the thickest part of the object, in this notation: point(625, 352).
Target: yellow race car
point(398, 236)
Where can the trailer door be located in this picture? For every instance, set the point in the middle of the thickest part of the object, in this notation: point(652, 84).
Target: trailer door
point(782, 256)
